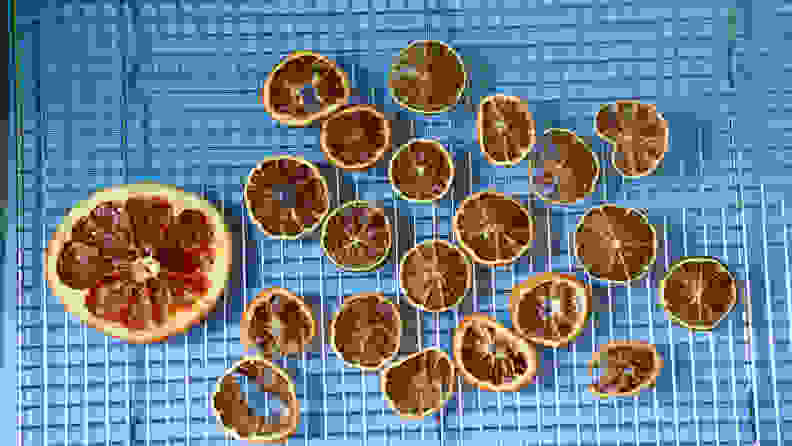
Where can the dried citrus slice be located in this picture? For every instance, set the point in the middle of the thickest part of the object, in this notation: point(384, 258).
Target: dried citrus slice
point(286, 197)
point(357, 236)
point(366, 331)
point(492, 357)
point(304, 87)
point(506, 129)
point(140, 262)
point(420, 384)
point(638, 133)
point(421, 171)
point(356, 137)
point(626, 368)
point(435, 275)
point(615, 244)
point(493, 229)
point(698, 292)
point(568, 168)
point(428, 77)
point(277, 322)
point(550, 309)
point(242, 422)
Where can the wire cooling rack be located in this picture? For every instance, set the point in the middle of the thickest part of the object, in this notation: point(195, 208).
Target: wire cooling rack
point(167, 91)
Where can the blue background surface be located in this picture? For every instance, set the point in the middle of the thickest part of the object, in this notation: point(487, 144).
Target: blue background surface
point(118, 92)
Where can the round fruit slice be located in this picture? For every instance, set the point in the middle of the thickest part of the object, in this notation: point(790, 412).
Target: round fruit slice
point(356, 137)
point(366, 331)
point(140, 262)
point(278, 322)
point(638, 133)
point(615, 244)
point(492, 357)
point(239, 420)
point(429, 77)
point(550, 309)
point(698, 292)
point(493, 229)
point(357, 237)
point(419, 385)
point(506, 129)
point(626, 368)
point(304, 87)
point(569, 169)
point(421, 171)
point(286, 197)
point(435, 275)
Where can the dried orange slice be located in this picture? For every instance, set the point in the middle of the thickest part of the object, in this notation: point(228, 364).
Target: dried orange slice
point(550, 309)
point(435, 275)
point(304, 87)
point(492, 357)
point(366, 331)
point(140, 262)
point(278, 322)
point(357, 236)
point(240, 421)
point(420, 384)
point(493, 229)
point(356, 137)
point(698, 292)
point(421, 171)
point(506, 129)
point(638, 133)
point(568, 169)
point(628, 366)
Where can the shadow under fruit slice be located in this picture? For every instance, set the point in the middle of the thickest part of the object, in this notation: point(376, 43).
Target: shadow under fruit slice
point(428, 77)
point(366, 331)
point(626, 368)
point(277, 322)
point(435, 275)
point(140, 262)
point(492, 357)
point(356, 137)
point(419, 385)
point(421, 171)
point(568, 168)
point(615, 244)
point(234, 412)
point(493, 229)
point(550, 309)
point(286, 197)
point(304, 87)
point(357, 237)
point(638, 133)
point(506, 129)
point(698, 292)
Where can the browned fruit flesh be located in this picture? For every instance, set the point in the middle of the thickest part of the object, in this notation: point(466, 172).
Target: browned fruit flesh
point(357, 136)
point(138, 260)
point(304, 86)
point(699, 293)
point(358, 236)
point(639, 135)
point(550, 310)
point(494, 227)
point(366, 332)
point(508, 130)
point(492, 358)
point(428, 77)
point(278, 325)
point(569, 168)
point(422, 170)
point(421, 383)
point(624, 368)
point(436, 275)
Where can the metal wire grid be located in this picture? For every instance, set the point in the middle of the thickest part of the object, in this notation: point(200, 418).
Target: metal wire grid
point(130, 375)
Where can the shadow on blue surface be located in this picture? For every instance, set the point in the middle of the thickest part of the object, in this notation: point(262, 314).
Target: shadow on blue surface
point(690, 145)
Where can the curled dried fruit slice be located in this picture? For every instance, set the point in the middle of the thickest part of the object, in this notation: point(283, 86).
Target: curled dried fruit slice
point(506, 129)
point(277, 322)
point(638, 133)
point(357, 236)
point(627, 367)
point(420, 384)
point(286, 197)
point(615, 244)
point(435, 275)
point(304, 87)
point(493, 229)
point(356, 137)
point(492, 357)
point(567, 168)
point(428, 77)
point(550, 309)
point(421, 171)
point(366, 331)
point(698, 292)
point(140, 262)
point(234, 413)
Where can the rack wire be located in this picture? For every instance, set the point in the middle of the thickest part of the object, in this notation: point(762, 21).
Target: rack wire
point(75, 386)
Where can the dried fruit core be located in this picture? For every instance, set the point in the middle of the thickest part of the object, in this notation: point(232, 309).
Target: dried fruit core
point(491, 357)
